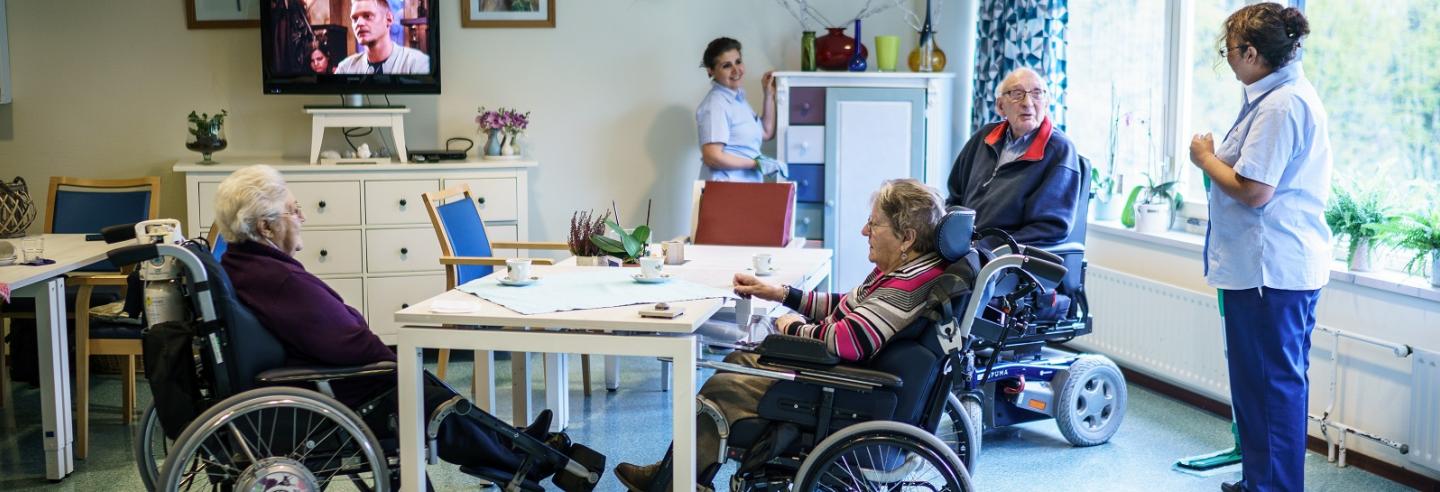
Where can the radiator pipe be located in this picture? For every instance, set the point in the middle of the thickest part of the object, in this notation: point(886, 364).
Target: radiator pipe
point(1336, 448)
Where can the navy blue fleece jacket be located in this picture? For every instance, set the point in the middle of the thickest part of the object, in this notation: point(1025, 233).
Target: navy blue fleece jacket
point(1033, 197)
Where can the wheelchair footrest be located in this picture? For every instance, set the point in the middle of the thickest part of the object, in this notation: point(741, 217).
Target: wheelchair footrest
point(499, 477)
point(593, 464)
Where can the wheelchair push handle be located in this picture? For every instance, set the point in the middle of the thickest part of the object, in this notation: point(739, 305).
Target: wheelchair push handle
point(132, 254)
point(118, 232)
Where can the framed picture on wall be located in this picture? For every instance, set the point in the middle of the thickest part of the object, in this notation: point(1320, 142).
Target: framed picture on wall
point(223, 14)
point(507, 13)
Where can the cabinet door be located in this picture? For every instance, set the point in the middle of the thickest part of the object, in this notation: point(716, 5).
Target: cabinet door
point(871, 135)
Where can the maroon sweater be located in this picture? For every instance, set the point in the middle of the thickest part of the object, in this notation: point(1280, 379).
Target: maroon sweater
point(307, 316)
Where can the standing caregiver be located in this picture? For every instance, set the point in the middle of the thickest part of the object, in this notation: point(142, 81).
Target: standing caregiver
point(1268, 247)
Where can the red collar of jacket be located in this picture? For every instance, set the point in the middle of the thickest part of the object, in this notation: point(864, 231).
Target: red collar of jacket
point(1037, 147)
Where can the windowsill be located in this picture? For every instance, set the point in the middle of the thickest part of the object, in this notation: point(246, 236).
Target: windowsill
point(1393, 282)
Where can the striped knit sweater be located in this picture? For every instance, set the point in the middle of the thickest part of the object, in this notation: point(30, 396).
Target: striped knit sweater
point(856, 325)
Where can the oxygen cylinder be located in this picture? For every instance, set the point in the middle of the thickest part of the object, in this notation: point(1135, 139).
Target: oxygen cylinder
point(163, 302)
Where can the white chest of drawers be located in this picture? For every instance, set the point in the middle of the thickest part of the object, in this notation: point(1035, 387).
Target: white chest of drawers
point(366, 232)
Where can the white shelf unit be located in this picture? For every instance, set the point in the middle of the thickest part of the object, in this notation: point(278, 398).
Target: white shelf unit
point(844, 133)
point(366, 231)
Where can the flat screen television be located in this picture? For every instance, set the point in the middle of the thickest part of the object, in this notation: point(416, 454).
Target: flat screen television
point(350, 46)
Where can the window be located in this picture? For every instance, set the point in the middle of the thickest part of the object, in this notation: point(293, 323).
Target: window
point(1215, 96)
point(1116, 70)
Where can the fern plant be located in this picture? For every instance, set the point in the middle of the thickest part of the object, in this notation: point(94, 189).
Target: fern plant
point(1357, 214)
point(1415, 231)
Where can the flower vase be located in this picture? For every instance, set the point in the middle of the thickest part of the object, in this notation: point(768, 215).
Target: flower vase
point(834, 50)
point(857, 57)
point(807, 51)
point(492, 146)
point(1360, 255)
point(1435, 268)
point(507, 148)
point(927, 57)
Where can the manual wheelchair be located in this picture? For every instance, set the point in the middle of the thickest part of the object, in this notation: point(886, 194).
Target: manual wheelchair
point(891, 423)
point(230, 416)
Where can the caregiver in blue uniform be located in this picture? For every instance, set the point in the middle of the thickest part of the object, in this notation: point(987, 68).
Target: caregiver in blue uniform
point(1268, 247)
point(730, 133)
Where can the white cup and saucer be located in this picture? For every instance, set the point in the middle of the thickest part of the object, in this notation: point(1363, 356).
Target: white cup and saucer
point(517, 273)
point(764, 264)
point(650, 271)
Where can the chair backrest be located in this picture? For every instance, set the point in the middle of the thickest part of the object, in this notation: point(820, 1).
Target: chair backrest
point(247, 347)
point(460, 230)
point(743, 214)
point(84, 206)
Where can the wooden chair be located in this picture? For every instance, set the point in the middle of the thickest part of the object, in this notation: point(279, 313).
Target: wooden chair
point(743, 214)
point(468, 254)
point(78, 205)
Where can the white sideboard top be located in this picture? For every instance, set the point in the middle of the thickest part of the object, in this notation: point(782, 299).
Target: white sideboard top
point(298, 165)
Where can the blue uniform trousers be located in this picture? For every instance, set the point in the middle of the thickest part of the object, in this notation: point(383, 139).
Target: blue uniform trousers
point(1267, 336)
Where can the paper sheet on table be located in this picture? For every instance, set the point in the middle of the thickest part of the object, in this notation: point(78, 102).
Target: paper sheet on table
point(587, 290)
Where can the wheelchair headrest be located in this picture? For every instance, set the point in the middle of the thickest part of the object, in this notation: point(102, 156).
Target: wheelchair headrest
point(955, 232)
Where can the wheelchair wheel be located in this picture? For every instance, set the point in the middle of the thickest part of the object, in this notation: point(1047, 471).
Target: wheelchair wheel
point(276, 438)
point(882, 455)
point(960, 430)
point(151, 447)
point(1091, 403)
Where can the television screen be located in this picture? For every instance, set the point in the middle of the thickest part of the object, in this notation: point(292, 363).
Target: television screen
point(350, 46)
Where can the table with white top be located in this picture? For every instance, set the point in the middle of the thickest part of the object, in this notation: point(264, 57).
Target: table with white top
point(616, 331)
point(46, 284)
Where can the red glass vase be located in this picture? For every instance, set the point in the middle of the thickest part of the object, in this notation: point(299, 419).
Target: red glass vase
point(834, 50)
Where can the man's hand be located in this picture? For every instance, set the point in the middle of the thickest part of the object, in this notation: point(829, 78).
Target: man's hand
point(747, 285)
point(1202, 146)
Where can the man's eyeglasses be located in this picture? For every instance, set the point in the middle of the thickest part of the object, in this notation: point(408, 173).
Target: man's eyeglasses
point(1227, 50)
point(1017, 95)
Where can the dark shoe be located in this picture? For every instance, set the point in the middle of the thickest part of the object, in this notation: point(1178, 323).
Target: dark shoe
point(540, 428)
point(637, 478)
point(1236, 486)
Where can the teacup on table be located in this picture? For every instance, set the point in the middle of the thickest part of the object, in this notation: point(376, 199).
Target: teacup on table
point(764, 263)
point(650, 266)
point(518, 269)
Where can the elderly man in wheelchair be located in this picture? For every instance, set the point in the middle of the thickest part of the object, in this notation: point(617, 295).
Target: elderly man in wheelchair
point(241, 417)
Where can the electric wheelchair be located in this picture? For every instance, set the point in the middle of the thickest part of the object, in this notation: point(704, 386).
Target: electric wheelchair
point(229, 415)
point(1011, 376)
point(890, 423)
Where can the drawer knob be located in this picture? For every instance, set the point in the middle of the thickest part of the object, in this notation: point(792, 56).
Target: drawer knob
point(324, 253)
point(805, 221)
point(805, 183)
point(322, 204)
point(405, 305)
point(402, 202)
point(480, 200)
point(805, 106)
point(404, 251)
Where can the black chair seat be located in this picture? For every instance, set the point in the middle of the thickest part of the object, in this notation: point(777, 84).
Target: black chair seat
point(100, 330)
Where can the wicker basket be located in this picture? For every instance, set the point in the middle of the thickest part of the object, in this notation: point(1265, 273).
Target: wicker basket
point(17, 210)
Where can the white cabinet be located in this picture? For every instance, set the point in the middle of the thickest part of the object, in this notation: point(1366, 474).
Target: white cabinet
point(366, 231)
point(843, 134)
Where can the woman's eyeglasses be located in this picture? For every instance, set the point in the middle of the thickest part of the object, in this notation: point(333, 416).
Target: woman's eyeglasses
point(872, 224)
point(1227, 50)
point(1017, 95)
point(295, 210)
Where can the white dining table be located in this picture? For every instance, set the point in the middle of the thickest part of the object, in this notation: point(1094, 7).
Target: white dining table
point(614, 331)
point(46, 284)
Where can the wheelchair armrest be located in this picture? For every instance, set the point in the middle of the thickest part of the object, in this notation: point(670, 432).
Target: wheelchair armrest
point(1063, 249)
point(806, 350)
point(308, 374)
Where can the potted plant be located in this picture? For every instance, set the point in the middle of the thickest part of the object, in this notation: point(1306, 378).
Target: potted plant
point(206, 134)
point(502, 126)
point(1151, 207)
point(1418, 232)
point(1104, 186)
point(1356, 215)
point(630, 246)
point(584, 225)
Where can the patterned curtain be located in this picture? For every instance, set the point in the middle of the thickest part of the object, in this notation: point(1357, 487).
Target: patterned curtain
point(1014, 34)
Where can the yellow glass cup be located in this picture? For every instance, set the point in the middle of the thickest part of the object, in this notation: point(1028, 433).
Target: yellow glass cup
point(887, 49)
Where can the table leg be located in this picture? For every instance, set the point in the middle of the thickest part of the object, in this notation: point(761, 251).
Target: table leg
point(482, 385)
point(412, 445)
point(54, 347)
point(557, 390)
point(612, 372)
point(520, 388)
point(664, 376)
point(683, 414)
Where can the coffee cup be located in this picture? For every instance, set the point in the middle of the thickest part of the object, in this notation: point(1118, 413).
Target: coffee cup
point(518, 269)
point(650, 266)
point(764, 263)
point(674, 252)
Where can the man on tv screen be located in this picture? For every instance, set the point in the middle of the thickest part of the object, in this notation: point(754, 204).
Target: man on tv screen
point(371, 20)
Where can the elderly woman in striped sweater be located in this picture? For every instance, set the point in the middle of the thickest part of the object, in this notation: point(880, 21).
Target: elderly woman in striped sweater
point(855, 325)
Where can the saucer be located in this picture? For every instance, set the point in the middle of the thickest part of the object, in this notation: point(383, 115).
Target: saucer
point(765, 274)
point(664, 277)
point(518, 283)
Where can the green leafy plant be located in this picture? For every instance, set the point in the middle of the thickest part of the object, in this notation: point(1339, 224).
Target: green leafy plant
point(204, 126)
point(1357, 214)
point(1154, 191)
point(1415, 231)
point(583, 226)
point(631, 246)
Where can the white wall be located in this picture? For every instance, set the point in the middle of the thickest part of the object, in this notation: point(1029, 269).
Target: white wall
point(1374, 384)
point(103, 89)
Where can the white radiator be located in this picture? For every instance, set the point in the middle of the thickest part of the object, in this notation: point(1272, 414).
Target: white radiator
point(1161, 330)
point(1425, 409)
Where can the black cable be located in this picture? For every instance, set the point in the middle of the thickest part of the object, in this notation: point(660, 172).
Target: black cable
point(353, 132)
point(469, 144)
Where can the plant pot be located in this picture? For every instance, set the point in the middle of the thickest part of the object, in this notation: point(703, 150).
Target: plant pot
point(1108, 208)
point(492, 146)
point(1152, 218)
point(1435, 268)
point(590, 260)
point(1360, 255)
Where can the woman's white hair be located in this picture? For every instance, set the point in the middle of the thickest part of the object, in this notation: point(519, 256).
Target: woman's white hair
point(245, 198)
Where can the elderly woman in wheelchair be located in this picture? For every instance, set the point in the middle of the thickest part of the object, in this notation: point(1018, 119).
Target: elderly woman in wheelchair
point(277, 328)
point(850, 392)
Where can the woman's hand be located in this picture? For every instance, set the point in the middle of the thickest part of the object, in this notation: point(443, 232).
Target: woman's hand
point(786, 320)
point(1202, 146)
point(767, 83)
point(748, 286)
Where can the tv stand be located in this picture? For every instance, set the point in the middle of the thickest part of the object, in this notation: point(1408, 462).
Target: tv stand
point(323, 117)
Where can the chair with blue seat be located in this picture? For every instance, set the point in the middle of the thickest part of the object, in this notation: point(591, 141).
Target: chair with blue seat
point(468, 253)
point(84, 206)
